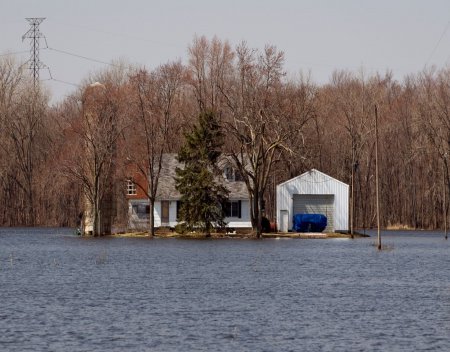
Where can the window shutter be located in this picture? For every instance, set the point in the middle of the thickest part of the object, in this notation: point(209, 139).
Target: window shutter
point(239, 208)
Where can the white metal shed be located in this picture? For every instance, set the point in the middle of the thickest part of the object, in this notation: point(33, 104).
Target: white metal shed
point(313, 193)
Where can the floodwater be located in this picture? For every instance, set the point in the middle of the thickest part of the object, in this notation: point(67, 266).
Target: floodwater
point(59, 292)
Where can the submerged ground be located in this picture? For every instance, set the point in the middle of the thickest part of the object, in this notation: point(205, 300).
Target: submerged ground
point(60, 292)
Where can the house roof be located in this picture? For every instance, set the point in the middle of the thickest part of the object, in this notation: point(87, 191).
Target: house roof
point(324, 176)
point(166, 185)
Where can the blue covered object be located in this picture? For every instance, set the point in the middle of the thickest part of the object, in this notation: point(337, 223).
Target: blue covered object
point(309, 222)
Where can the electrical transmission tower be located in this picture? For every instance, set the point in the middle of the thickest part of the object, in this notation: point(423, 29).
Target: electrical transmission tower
point(34, 34)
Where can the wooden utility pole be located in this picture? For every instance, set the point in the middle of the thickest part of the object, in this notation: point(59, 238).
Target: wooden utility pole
point(444, 202)
point(376, 178)
point(352, 209)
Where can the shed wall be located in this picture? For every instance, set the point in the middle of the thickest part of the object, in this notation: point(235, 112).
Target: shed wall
point(314, 182)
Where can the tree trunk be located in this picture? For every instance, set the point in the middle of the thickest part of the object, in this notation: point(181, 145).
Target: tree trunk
point(260, 215)
point(152, 217)
point(256, 214)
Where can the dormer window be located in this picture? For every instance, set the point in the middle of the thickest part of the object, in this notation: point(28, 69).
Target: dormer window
point(231, 174)
point(228, 173)
point(131, 187)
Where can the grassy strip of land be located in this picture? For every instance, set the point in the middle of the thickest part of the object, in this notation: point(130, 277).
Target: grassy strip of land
point(195, 235)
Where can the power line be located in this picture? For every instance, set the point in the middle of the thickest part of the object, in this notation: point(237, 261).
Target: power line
point(438, 42)
point(115, 34)
point(34, 62)
point(58, 80)
point(75, 55)
point(65, 82)
point(34, 34)
point(62, 52)
point(81, 56)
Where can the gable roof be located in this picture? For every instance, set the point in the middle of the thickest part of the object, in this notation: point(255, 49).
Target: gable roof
point(325, 178)
point(166, 185)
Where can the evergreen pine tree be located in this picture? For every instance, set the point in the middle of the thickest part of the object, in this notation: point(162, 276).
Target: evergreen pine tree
point(202, 196)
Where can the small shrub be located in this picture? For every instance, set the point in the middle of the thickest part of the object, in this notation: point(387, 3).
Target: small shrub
point(265, 224)
point(181, 228)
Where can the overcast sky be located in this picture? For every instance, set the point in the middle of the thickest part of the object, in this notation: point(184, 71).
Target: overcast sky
point(318, 36)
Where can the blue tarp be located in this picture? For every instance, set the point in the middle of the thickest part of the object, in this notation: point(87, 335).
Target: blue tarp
point(309, 222)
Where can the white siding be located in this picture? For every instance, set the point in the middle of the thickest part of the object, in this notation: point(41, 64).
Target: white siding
point(314, 182)
point(136, 223)
point(172, 213)
point(157, 213)
point(244, 221)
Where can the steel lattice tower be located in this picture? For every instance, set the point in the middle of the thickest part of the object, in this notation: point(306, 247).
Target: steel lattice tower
point(34, 34)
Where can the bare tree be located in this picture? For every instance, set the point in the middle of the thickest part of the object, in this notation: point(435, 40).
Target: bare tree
point(156, 97)
point(93, 151)
point(22, 107)
point(262, 113)
point(434, 115)
point(352, 101)
point(210, 65)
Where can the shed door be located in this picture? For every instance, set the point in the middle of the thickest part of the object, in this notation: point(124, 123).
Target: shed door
point(315, 204)
point(284, 221)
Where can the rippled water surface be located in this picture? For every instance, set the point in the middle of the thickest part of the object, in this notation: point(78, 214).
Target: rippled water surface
point(59, 292)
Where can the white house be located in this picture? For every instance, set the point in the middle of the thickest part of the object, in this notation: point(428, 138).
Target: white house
point(313, 193)
point(168, 199)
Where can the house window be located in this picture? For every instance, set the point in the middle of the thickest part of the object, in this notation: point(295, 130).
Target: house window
point(131, 187)
point(228, 172)
point(231, 174)
point(142, 211)
point(233, 209)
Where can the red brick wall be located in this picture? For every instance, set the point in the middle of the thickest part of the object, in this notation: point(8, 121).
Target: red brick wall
point(140, 180)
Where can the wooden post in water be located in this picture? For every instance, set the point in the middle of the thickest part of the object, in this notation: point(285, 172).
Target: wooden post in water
point(376, 178)
point(444, 202)
point(352, 208)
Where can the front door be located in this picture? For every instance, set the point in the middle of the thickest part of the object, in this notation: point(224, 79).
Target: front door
point(164, 212)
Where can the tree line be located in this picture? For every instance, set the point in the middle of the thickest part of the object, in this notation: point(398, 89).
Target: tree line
point(275, 126)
